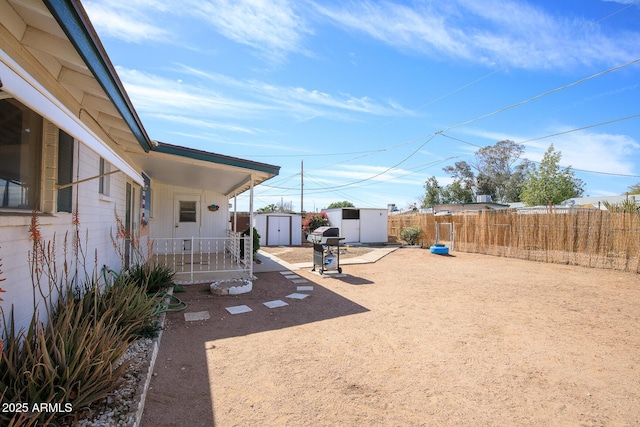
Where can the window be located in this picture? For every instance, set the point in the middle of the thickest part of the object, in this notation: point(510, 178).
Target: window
point(20, 151)
point(350, 213)
point(187, 211)
point(104, 183)
point(65, 171)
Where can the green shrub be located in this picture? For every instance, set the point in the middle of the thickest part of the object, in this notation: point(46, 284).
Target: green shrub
point(411, 234)
point(154, 278)
point(256, 242)
point(311, 221)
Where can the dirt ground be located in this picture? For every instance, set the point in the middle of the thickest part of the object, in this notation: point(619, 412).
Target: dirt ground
point(300, 254)
point(415, 339)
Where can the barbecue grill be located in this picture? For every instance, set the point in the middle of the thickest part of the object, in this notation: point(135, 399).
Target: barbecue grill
point(323, 238)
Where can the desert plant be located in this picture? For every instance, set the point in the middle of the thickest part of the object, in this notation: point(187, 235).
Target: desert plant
point(72, 358)
point(154, 278)
point(71, 362)
point(410, 234)
point(131, 306)
point(628, 206)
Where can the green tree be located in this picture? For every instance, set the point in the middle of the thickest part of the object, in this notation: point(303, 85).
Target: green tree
point(343, 204)
point(433, 193)
point(549, 182)
point(499, 169)
point(457, 192)
point(635, 188)
point(269, 208)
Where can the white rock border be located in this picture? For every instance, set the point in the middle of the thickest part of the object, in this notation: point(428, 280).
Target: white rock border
point(224, 287)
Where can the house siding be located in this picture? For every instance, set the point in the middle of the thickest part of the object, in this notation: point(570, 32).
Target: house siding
point(162, 221)
point(97, 222)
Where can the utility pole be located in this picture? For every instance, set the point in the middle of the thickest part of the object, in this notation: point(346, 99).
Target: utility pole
point(302, 187)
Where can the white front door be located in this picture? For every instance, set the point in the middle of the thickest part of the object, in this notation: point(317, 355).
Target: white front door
point(187, 218)
point(278, 230)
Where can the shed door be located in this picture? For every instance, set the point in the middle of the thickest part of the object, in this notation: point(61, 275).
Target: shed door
point(278, 230)
point(187, 218)
point(351, 230)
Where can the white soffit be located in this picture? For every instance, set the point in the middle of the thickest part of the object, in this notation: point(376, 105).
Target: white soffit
point(18, 83)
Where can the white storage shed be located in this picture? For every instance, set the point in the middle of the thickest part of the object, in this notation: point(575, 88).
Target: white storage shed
point(365, 225)
point(278, 229)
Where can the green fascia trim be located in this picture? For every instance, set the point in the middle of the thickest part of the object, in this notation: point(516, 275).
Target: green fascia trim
point(215, 158)
point(74, 24)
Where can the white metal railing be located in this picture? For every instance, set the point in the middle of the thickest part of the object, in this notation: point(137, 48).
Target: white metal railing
point(205, 254)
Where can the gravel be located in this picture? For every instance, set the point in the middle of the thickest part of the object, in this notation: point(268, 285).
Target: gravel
point(120, 408)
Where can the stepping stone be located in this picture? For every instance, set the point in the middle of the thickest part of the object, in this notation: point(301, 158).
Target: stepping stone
point(275, 304)
point(304, 288)
point(298, 281)
point(292, 276)
point(198, 315)
point(297, 296)
point(238, 309)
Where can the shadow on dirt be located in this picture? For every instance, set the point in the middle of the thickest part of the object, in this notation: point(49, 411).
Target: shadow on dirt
point(183, 345)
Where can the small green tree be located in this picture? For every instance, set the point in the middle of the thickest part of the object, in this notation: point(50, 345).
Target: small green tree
point(343, 204)
point(410, 234)
point(433, 193)
point(549, 183)
point(635, 188)
point(269, 208)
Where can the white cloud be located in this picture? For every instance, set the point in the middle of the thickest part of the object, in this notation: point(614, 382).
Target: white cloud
point(495, 32)
point(159, 95)
point(270, 26)
point(130, 21)
point(587, 150)
point(591, 151)
point(298, 101)
point(363, 175)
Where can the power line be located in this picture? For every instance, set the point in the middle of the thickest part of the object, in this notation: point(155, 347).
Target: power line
point(441, 132)
point(517, 104)
point(582, 128)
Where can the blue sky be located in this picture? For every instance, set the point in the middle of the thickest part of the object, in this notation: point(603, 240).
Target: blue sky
point(377, 96)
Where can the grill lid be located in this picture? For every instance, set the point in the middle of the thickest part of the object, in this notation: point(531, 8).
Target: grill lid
point(326, 232)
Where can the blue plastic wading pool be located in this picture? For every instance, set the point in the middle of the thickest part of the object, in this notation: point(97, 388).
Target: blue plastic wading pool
point(439, 249)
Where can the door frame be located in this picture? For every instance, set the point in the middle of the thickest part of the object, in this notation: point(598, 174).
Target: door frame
point(290, 228)
point(186, 197)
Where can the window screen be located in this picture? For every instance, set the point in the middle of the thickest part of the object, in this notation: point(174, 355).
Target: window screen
point(65, 171)
point(187, 211)
point(350, 213)
point(20, 153)
point(104, 183)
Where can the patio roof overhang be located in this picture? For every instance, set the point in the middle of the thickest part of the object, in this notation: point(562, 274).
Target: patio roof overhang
point(187, 167)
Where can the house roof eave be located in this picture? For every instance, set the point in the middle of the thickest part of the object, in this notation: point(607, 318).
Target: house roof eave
point(75, 23)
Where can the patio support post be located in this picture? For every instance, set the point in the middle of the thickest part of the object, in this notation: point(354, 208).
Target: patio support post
point(251, 228)
point(235, 213)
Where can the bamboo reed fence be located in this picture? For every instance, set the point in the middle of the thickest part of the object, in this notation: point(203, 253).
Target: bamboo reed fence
point(589, 237)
